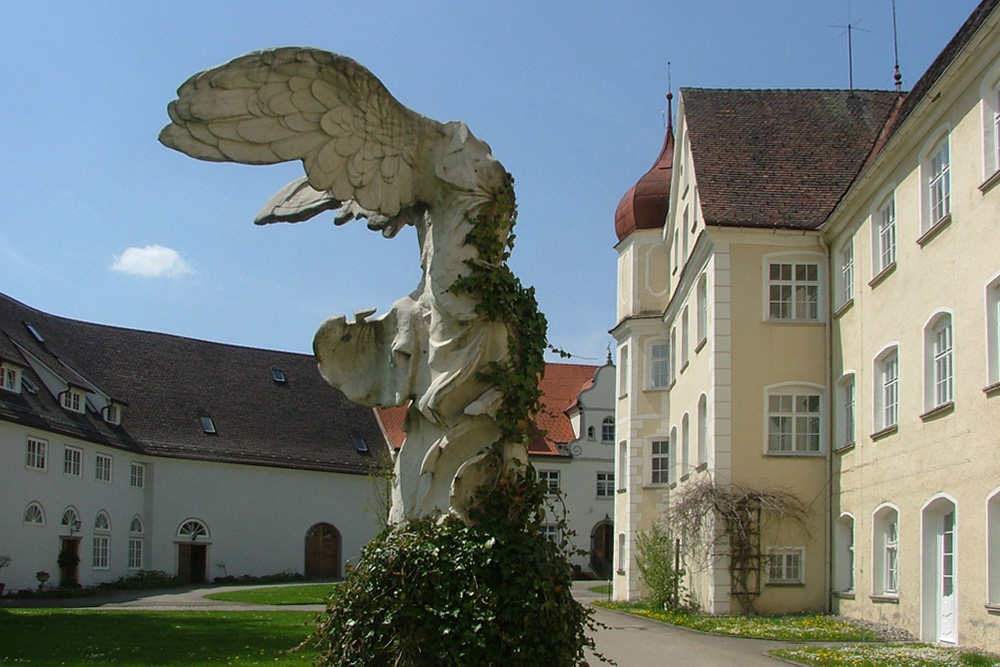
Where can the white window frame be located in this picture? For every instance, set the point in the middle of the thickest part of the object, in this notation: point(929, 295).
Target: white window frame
point(70, 519)
point(36, 456)
point(659, 462)
point(844, 555)
point(886, 388)
point(990, 93)
point(72, 461)
point(137, 475)
point(993, 549)
point(135, 543)
point(623, 375)
point(884, 234)
point(702, 429)
point(607, 430)
point(793, 283)
point(935, 168)
point(101, 555)
point(939, 360)
point(73, 400)
point(685, 445)
point(659, 364)
point(702, 303)
point(788, 563)
point(103, 467)
point(552, 479)
point(673, 355)
point(992, 294)
point(605, 484)
point(34, 514)
point(798, 414)
point(885, 551)
point(846, 425)
point(845, 274)
point(10, 377)
point(685, 339)
point(622, 475)
point(550, 531)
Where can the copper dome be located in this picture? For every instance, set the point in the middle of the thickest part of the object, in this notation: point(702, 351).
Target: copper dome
point(645, 204)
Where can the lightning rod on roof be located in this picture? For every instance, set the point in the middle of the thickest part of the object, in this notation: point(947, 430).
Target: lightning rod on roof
point(850, 46)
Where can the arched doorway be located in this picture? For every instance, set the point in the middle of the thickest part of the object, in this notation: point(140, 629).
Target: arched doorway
point(192, 551)
point(939, 590)
point(602, 556)
point(323, 551)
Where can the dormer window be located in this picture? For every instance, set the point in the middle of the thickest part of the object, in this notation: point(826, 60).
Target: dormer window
point(113, 413)
point(10, 377)
point(72, 399)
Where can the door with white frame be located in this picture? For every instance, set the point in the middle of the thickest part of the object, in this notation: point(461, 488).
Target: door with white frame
point(939, 572)
point(947, 630)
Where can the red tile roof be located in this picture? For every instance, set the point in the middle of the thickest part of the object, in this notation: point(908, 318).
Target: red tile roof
point(560, 387)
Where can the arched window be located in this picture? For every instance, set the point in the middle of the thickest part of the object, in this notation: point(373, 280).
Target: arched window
point(135, 543)
point(993, 332)
point(938, 362)
point(34, 515)
point(886, 389)
point(885, 551)
point(102, 541)
point(192, 529)
point(685, 444)
point(702, 301)
point(794, 414)
point(591, 433)
point(70, 519)
point(608, 430)
point(993, 548)
point(843, 554)
point(845, 424)
point(702, 429)
point(935, 167)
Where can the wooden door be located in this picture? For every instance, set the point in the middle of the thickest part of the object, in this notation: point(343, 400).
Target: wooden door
point(322, 546)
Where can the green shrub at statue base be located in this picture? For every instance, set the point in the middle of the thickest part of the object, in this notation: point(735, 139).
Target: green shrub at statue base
point(445, 594)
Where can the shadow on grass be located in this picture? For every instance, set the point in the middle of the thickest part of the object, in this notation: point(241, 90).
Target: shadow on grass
point(49, 636)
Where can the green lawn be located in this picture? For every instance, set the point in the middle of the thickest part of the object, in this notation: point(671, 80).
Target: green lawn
point(302, 594)
point(79, 637)
point(803, 627)
point(885, 655)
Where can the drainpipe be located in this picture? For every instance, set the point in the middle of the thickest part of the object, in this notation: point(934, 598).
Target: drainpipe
point(828, 362)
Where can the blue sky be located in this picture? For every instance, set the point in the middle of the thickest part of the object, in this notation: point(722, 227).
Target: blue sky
point(103, 224)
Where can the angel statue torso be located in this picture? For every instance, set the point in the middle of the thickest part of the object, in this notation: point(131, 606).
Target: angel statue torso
point(370, 157)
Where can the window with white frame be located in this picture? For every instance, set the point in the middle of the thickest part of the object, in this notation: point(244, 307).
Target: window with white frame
point(70, 519)
point(623, 371)
point(673, 461)
point(685, 338)
point(659, 462)
point(993, 333)
point(551, 480)
point(702, 299)
point(937, 184)
point(784, 565)
point(10, 377)
point(673, 354)
point(102, 541)
point(993, 548)
point(684, 233)
point(622, 464)
point(621, 553)
point(990, 91)
point(72, 399)
point(135, 544)
point(36, 454)
point(591, 433)
point(605, 484)
point(793, 291)
point(685, 444)
point(677, 250)
point(793, 421)
point(843, 554)
point(938, 362)
point(550, 531)
point(702, 429)
point(137, 476)
point(660, 365)
point(113, 413)
point(886, 389)
point(846, 422)
point(884, 236)
point(102, 467)
point(608, 430)
point(34, 514)
point(845, 282)
point(72, 461)
point(995, 127)
point(885, 547)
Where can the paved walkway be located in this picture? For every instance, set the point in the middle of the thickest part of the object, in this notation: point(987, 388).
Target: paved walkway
point(631, 641)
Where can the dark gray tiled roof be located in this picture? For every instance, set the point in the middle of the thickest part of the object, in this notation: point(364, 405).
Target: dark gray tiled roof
point(168, 382)
point(779, 158)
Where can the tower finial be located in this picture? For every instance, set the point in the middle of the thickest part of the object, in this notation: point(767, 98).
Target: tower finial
point(896, 76)
point(670, 97)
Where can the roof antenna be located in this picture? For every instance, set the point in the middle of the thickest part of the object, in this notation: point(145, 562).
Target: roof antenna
point(896, 76)
point(850, 46)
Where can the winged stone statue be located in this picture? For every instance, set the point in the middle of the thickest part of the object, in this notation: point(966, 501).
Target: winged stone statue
point(367, 156)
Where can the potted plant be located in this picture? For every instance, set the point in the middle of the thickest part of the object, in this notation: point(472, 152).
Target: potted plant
point(4, 562)
point(42, 577)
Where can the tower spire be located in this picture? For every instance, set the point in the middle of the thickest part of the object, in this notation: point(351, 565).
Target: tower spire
point(670, 97)
point(896, 76)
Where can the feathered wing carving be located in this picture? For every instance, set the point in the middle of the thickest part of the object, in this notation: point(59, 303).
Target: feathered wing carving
point(355, 140)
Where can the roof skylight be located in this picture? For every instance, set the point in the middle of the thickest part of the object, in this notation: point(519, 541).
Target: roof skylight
point(278, 375)
point(207, 425)
point(359, 444)
point(33, 331)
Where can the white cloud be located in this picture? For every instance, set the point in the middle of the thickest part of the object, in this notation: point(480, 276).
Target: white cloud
point(153, 261)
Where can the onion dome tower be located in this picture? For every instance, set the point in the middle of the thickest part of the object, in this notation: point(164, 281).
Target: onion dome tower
point(645, 204)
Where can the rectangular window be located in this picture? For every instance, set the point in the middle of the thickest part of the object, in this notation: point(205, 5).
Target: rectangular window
point(551, 479)
point(103, 468)
point(101, 549)
point(793, 423)
point(8, 378)
point(135, 553)
point(550, 531)
point(885, 246)
point(685, 338)
point(793, 291)
point(72, 400)
point(622, 464)
point(36, 457)
point(659, 464)
point(605, 484)
point(849, 399)
point(784, 566)
point(660, 365)
point(137, 478)
point(943, 371)
point(939, 184)
point(889, 391)
point(702, 309)
point(72, 461)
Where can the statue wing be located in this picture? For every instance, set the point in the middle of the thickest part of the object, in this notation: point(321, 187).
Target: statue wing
point(355, 140)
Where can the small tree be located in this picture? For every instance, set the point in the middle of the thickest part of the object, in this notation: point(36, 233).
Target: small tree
point(656, 565)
